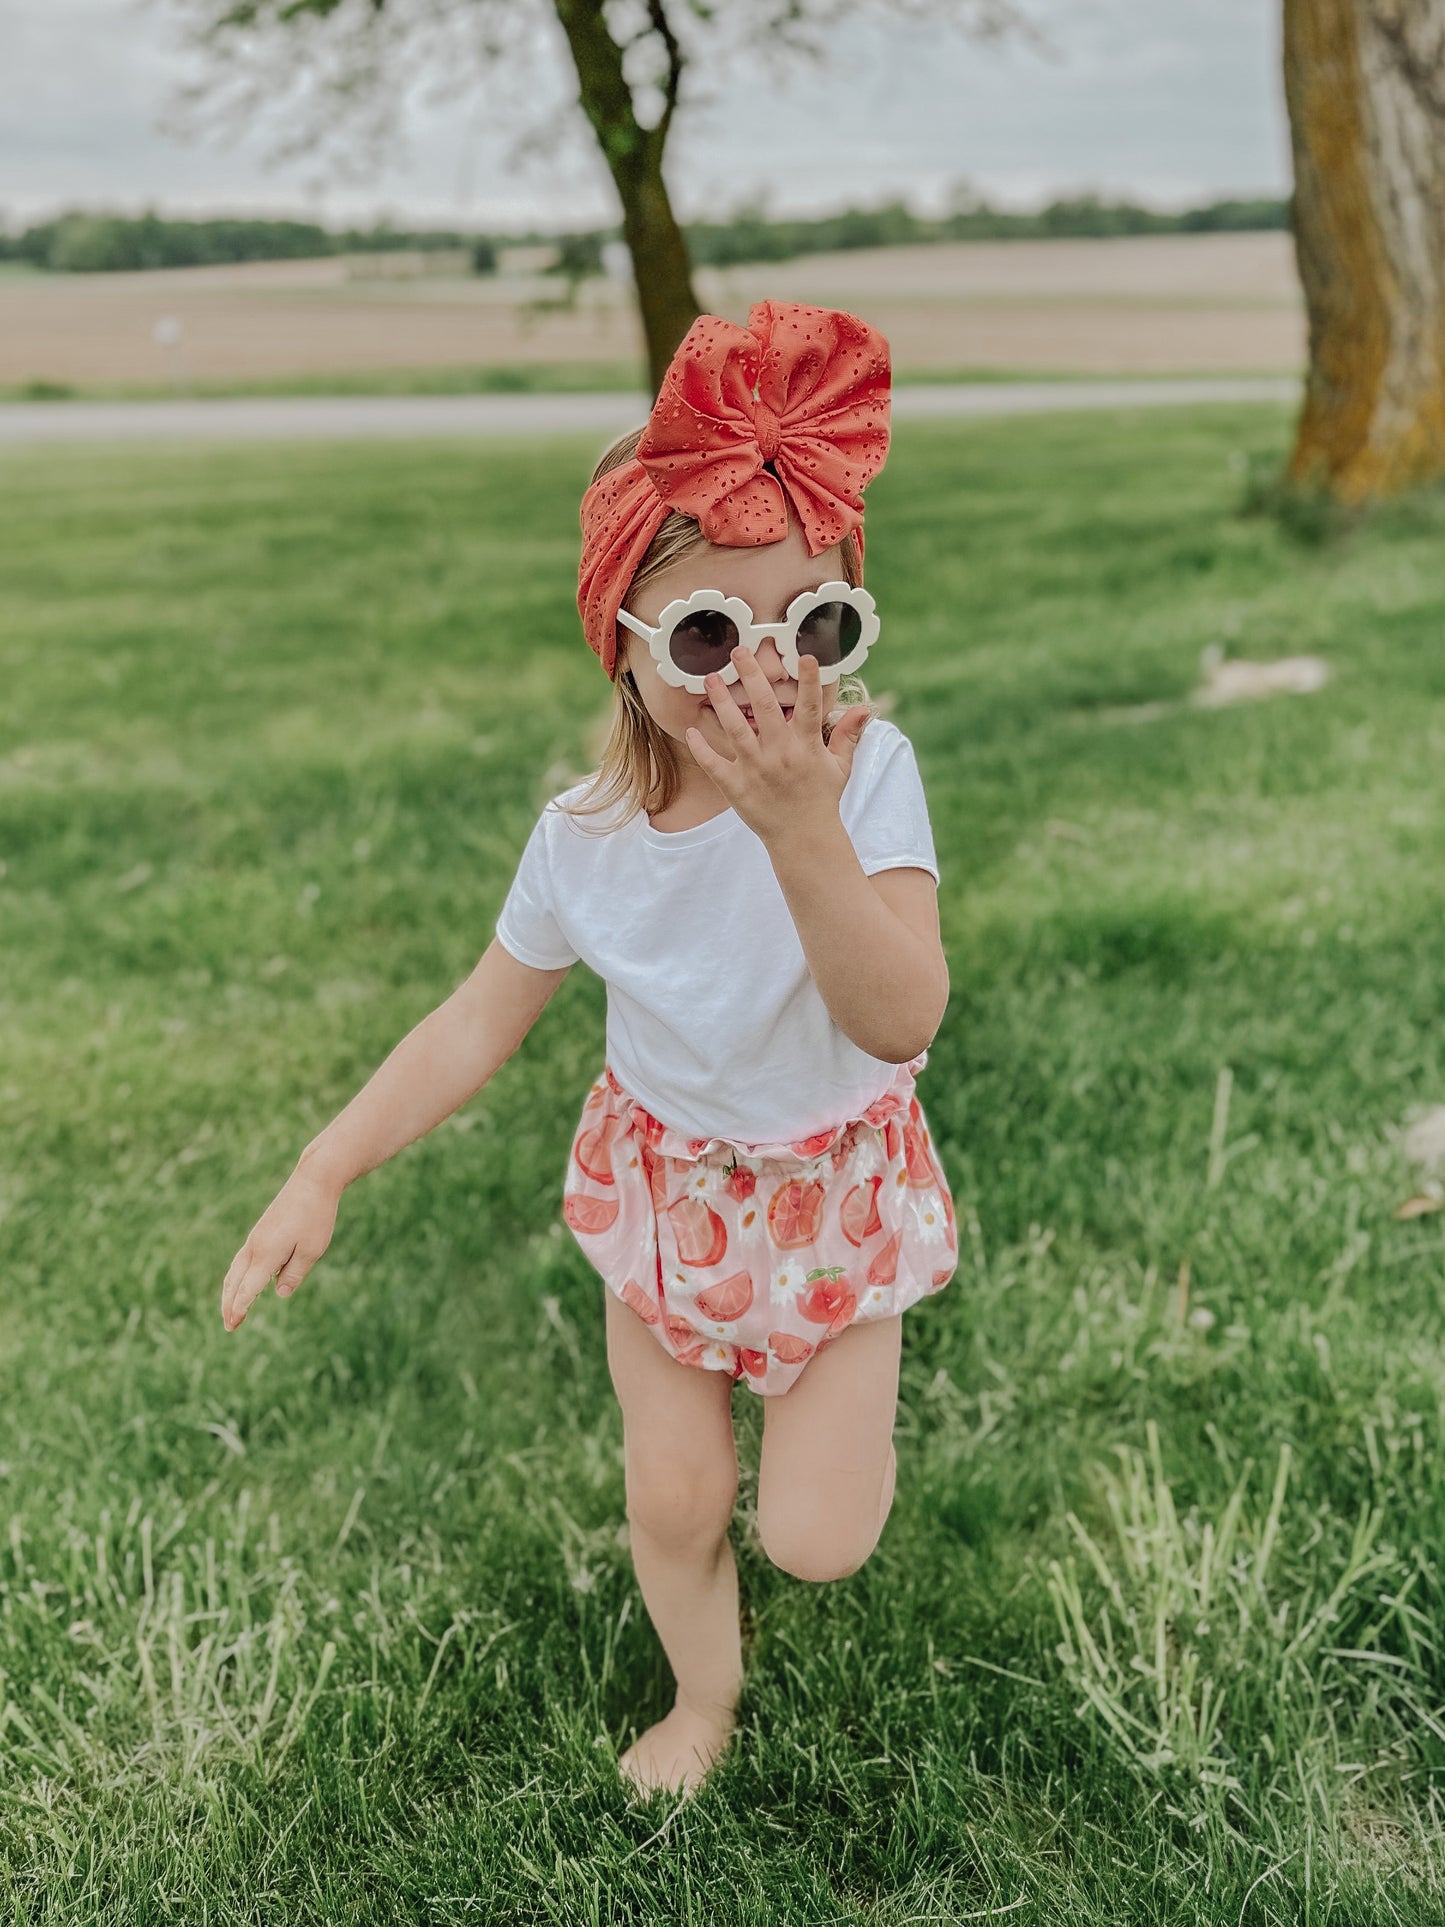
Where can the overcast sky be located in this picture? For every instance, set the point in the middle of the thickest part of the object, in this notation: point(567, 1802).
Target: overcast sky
point(1169, 101)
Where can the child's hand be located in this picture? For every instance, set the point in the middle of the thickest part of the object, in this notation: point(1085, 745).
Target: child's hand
point(288, 1237)
point(786, 773)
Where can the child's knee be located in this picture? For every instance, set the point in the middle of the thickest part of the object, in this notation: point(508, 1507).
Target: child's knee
point(808, 1546)
point(681, 1505)
point(812, 1539)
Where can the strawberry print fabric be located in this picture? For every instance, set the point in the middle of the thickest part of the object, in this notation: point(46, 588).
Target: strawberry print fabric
point(748, 1258)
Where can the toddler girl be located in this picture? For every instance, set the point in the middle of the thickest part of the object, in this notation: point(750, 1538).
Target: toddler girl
point(752, 1174)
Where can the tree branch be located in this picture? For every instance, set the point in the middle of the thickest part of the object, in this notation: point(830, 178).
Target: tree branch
point(663, 26)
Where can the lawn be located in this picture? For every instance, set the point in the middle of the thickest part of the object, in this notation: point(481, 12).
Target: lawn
point(507, 378)
point(333, 1619)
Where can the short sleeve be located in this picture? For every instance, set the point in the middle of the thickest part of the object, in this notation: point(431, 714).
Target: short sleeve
point(890, 827)
point(527, 923)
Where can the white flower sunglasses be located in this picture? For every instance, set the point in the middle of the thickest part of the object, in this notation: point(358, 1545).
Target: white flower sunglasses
point(834, 623)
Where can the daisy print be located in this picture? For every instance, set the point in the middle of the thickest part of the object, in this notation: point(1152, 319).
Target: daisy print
point(929, 1225)
point(746, 1261)
point(869, 1155)
point(788, 1280)
point(705, 1182)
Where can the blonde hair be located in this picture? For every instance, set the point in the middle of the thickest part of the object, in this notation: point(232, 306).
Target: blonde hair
point(639, 765)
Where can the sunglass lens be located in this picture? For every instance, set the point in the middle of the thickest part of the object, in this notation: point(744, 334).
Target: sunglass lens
point(703, 642)
point(830, 632)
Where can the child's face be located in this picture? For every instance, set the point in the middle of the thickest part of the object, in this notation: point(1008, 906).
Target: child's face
point(768, 579)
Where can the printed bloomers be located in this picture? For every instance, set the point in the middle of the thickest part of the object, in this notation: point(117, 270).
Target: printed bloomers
point(749, 1259)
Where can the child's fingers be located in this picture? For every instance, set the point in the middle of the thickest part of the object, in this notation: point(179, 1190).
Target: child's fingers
point(284, 1243)
point(245, 1282)
point(705, 754)
point(229, 1283)
point(293, 1271)
point(809, 708)
point(253, 1271)
point(726, 708)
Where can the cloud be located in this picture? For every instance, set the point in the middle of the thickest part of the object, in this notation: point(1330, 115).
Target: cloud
point(1163, 99)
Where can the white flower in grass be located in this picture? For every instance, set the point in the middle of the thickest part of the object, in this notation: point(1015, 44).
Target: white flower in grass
point(928, 1219)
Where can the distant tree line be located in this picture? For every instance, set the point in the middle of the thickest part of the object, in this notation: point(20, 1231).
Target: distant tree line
point(80, 242)
point(750, 236)
point(83, 243)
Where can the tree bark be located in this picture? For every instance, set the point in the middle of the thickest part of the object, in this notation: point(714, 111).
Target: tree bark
point(1364, 83)
point(660, 265)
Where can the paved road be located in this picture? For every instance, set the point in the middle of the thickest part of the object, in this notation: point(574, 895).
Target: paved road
point(385, 417)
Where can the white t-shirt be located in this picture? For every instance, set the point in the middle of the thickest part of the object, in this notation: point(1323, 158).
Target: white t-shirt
point(713, 1019)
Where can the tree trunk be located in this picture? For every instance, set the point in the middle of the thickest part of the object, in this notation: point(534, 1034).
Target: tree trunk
point(1364, 82)
point(660, 265)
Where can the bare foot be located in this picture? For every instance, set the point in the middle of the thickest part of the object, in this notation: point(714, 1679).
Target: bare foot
point(677, 1752)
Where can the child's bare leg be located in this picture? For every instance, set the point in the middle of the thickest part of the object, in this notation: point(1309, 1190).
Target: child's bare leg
point(825, 1483)
point(682, 1481)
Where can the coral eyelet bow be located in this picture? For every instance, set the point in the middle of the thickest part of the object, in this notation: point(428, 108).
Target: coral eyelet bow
point(804, 390)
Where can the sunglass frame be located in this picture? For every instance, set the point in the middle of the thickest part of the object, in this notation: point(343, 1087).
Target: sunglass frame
point(751, 632)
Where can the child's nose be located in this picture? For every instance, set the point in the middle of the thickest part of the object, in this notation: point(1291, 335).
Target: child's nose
point(770, 659)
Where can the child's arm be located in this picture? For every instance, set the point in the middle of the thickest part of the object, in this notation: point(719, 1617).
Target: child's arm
point(436, 1067)
point(872, 943)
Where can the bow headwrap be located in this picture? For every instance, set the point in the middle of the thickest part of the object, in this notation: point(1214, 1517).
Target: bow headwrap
point(802, 389)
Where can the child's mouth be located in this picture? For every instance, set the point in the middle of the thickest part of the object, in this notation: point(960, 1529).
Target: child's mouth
point(752, 720)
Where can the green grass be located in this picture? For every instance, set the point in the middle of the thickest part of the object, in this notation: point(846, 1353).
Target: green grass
point(333, 1619)
point(519, 378)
